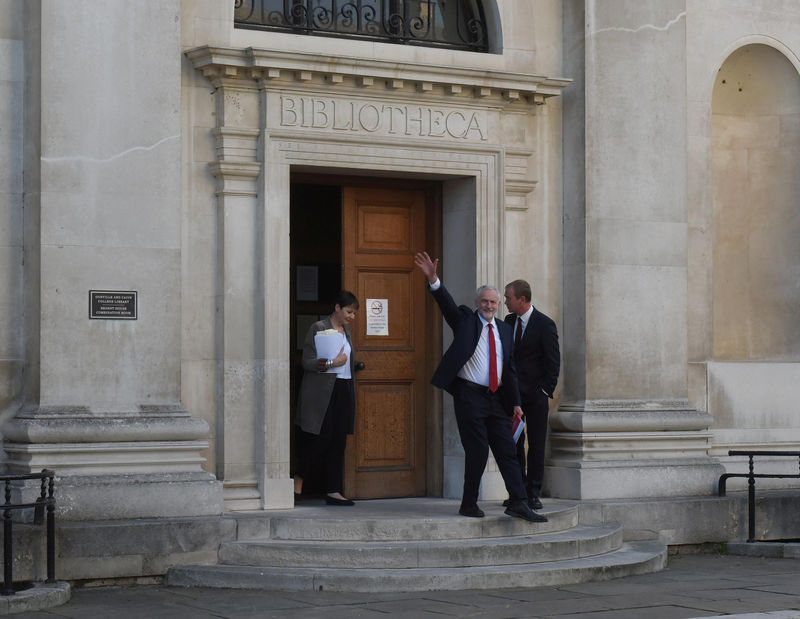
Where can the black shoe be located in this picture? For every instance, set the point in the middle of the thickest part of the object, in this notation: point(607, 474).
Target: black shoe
point(535, 503)
point(473, 511)
point(298, 496)
point(520, 509)
point(329, 500)
point(506, 502)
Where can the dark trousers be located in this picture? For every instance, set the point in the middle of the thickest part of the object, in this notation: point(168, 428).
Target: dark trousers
point(483, 424)
point(536, 411)
point(327, 447)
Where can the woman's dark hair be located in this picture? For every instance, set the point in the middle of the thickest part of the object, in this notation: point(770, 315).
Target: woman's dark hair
point(345, 298)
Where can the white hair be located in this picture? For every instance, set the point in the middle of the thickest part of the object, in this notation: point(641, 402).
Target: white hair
point(483, 289)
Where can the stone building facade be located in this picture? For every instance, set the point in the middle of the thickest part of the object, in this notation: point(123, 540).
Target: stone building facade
point(637, 161)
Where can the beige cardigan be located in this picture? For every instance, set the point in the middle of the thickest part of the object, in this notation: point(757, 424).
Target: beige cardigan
point(316, 387)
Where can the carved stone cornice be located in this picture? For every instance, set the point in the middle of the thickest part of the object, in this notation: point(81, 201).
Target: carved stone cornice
point(225, 64)
point(236, 178)
point(235, 145)
point(518, 184)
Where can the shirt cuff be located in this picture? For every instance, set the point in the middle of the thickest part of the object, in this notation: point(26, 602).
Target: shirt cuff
point(435, 285)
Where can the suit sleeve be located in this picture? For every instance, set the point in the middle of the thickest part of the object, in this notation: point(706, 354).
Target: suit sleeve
point(310, 348)
point(514, 398)
point(511, 394)
point(552, 358)
point(448, 307)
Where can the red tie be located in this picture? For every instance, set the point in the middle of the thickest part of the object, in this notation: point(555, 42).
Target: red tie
point(518, 334)
point(492, 361)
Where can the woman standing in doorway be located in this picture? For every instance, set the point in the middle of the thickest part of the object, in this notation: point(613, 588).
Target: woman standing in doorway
point(326, 405)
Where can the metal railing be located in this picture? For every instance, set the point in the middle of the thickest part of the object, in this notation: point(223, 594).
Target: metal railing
point(45, 502)
point(455, 24)
point(751, 482)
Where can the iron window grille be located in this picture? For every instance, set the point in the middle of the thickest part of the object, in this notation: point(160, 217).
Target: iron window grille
point(453, 24)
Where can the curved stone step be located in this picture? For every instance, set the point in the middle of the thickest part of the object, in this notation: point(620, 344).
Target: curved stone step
point(632, 558)
point(581, 541)
point(395, 520)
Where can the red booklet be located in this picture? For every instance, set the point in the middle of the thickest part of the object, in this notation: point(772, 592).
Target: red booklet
point(516, 427)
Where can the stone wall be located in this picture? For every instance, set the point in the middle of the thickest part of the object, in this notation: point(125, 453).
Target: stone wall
point(12, 84)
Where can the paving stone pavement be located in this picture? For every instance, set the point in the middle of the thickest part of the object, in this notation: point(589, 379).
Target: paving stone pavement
point(692, 586)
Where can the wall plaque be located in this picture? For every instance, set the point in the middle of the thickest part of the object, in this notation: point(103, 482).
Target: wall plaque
point(112, 304)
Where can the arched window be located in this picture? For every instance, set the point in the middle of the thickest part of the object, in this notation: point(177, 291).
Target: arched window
point(453, 24)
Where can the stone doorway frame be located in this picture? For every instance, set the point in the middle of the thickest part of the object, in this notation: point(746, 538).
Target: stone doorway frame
point(254, 162)
point(458, 171)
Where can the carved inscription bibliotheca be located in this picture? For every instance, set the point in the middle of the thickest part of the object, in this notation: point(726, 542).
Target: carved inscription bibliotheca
point(349, 115)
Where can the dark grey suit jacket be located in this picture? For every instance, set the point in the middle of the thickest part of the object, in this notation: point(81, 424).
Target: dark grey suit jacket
point(316, 387)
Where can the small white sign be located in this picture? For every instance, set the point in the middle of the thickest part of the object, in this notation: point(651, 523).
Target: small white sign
point(377, 316)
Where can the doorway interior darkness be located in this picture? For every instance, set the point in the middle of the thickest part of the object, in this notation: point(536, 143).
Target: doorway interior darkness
point(316, 247)
point(397, 448)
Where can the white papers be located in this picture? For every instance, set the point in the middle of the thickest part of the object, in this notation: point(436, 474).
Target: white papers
point(329, 344)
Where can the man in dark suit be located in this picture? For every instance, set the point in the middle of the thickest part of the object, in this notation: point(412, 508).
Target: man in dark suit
point(478, 372)
point(537, 361)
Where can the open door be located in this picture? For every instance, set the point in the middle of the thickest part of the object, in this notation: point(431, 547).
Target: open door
point(382, 229)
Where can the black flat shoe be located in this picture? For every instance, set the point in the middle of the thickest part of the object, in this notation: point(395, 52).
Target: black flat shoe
point(535, 503)
point(520, 509)
point(473, 511)
point(298, 496)
point(329, 500)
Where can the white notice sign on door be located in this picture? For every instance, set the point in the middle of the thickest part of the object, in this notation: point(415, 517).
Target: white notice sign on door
point(377, 316)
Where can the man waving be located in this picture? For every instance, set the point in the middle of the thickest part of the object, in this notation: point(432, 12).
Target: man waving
point(478, 372)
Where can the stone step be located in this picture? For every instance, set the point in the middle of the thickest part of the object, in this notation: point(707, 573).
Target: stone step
point(398, 520)
point(632, 558)
point(581, 541)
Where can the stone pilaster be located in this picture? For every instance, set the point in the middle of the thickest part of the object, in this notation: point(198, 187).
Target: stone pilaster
point(624, 427)
point(247, 425)
point(102, 166)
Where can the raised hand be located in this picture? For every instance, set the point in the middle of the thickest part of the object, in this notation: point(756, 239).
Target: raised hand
point(427, 266)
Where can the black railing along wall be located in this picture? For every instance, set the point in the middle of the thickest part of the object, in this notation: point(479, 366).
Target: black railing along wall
point(45, 502)
point(751, 482)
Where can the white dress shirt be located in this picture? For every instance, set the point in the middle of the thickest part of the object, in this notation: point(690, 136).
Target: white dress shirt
point(476, 369)
point(346, 369)
point(524, 320)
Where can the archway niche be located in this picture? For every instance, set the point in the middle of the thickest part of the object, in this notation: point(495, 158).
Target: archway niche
point(754, 284)
point(756, 207)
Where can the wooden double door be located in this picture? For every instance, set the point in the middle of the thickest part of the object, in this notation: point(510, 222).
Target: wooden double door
point(382, 229)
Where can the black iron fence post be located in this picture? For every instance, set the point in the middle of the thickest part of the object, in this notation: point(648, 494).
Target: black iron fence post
point(51, 529)
point(8, 552)
point(45, 502)
point(751, 503)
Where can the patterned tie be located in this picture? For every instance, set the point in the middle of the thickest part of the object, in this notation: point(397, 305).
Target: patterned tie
point(492, 361)
point(518, 334)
